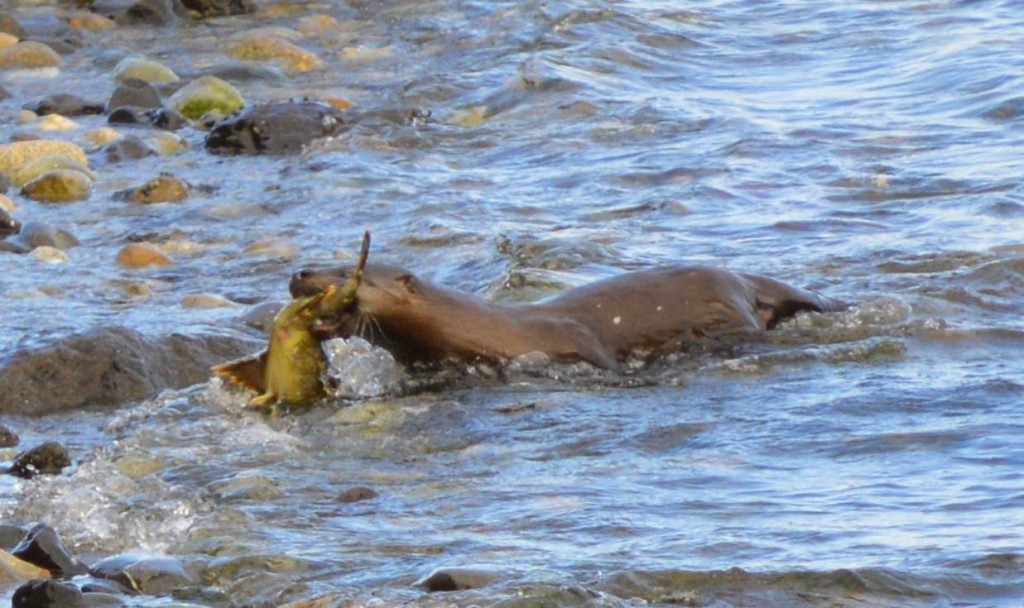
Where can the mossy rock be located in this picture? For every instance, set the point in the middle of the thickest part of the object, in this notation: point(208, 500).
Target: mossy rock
point(207, 94)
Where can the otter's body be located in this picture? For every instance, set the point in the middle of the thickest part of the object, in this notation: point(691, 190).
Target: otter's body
point(658, 310)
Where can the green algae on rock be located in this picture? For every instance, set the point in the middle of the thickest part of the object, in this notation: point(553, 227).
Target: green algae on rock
point(204, 95)
point(59, 186)
point(257, 46)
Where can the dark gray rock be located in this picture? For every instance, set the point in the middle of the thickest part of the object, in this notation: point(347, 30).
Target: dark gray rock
point(44, 548)
point(357, 494)
point(456, 579)
point(38, 234)
point(152, 575)
point(64, 104)
point(276, 128)
point(134, 93)
point(109, 366)
point(11, 535)
point(218, 8)
point(47, 593)
point(161, 118)
point(8, 225)
point(127, 148)
point(5, 183)
point(49, 458)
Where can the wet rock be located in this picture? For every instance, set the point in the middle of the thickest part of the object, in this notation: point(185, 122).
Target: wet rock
point(146, 70)
point(44, 164)
point(15, 570)
point(91, 22)
point(49, 458)
point(136, 93)
point(5, 203)
point(206, 94)
point(8, 225)
point(161, 118)
point(140, 255)
point(109, 366)
point(4, 94)
point(261, 316)
point(13, 155)
point(246, 72)
point(29, 54)
point(456, 579)
point(206, 300)
point(151, 575)
point(126, 148)
point(218, 8)
point(102, 600)
point(50, 255)
point(56, 122)
point(138, 12)
point(64, 104)
point(46, 593)
point(166, 143)
point(8, 438)
point(277, 128)
point(164, 188)
point(357, 494)
point(259, 46)
point(43, 547)
point(38, 234)
point(7, 40)
point(59, 186)
point(11, 535)
point(101, 136)
point(244, 487)
point(10, 25)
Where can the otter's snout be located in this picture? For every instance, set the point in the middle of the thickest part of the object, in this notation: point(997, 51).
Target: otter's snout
point(309, 282)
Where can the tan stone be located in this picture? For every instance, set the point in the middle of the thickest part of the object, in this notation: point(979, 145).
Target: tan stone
point(59, 186)
point(32, 169)
point(140, 255)
point(207, 300)
point(7, 40)
point(268, 48)
point(15, 154)
point(15, 570)
point(164, 188)
point(102, 136)
point(29, 54)
point(56, 122)
point(91, 21)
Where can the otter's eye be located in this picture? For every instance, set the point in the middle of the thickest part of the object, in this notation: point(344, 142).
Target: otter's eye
point(302, 275)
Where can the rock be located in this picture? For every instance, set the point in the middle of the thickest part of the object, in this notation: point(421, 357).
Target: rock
point(43, 547)
point(134, 93)
point(166, 143)
point(38, 234)
point(9, 25)
point(244, 487)
point(50, 255)
point(15, 154)
point(29, 54)
point(56, 122)
point(206, 300)
point(271, 248)
point(146, 574)
point(456, 579)
point(5, 203)
point(59, 186)
point(259, 46)
point(7, 40)
point(15, 570)
point(46, 593)
point(110, 366)
point(140, 255)
point(49, 458)
point(206, 94)
point(39, 166)
point(146, 70)
point(164, 188)
point(8, 438)
point(64, 104)
point(261, 316)
point(161, 118)
point(126, 148)
point(104, 600)
point(357, 494)
point(101, 136)
point(317, 25)
point(246, 72)
point(218, 8)
point(4, 93)
point(137, 12)
point(91, 21)
point(277, 128)
point(8, 225)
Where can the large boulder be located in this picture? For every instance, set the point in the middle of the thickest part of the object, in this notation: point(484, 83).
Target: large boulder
point(276, 128)
point(109, 366)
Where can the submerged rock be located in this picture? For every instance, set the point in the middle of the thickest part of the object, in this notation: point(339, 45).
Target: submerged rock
point(140, 255)
point(46, 593)
point(204, 95)
point(49, 458)
point(152, 575)
point(138, 12)
point(277, 128)
point(456, 579)
point(43, 547)
point(126, 148)
point(357, 494)
point(38, 234)
point(259, 46)
point(109, 366)
point(64, 104)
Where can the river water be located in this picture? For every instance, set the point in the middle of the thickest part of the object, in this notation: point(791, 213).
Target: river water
point(871, 150)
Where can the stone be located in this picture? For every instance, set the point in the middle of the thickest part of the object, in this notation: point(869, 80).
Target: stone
point(49, 458)
point(110, 366)
point(166, 143)
point(206, 94)
point(357, 494)
point(276, 128)
point(207, 300)
point(4, 93)
point(244, 487)
point(258, 46)
point(90, 21)
point(164, 188)
point(47, 593)
point(7, 40)
point(8, 225)
point(59, 186)
point(456, 579)
point(50, 255)
point(261, 316)
point(5, 183)
point(64, 104)
point(137, 12)
point(218, 8)
point(135, 93)
point(151, 575)
point(29, 54)
point(125, 148)
point(146, 70)
point(15, 570)
point(37, 167)
point(271, 248)
point(39, 234)
point(13, 155)
point(43, 547)
point(56, 122)
point(10, 25)
point(140, 255)
point(8, 438)
point(101, 136)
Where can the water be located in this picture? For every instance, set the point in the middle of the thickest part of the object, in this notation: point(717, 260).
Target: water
point(871, 150)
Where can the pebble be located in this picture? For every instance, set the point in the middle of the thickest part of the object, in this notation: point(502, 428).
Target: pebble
point(204, 95)
point(50, 255)
point(143, 69)
point(207, 300)
point(27, 116)
point(13, 155)
point(140, 255)
point(244, 487)
point(38, 234)
point(456, 579)
point(56, 122)
point(357, 494)
point(101, 136)
point(259, 46)
point(127, 147)
point(64, 103)
point(7, 40)
point(317, 24)
point(49, 458)
point(29, 54)
point(164, 188)
point(39, 166)
point(8, 225)
point(90, 21)
point(59, 186)
point(167, 143)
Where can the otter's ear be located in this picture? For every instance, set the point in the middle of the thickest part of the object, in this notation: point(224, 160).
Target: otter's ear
point(410, 282)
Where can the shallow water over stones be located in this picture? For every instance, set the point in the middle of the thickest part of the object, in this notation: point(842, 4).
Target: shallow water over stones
point(871, 151)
